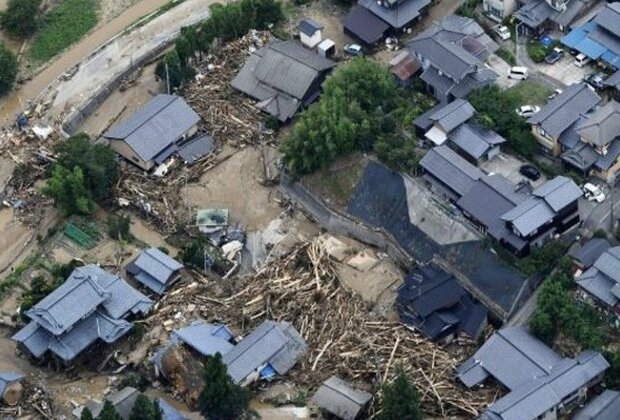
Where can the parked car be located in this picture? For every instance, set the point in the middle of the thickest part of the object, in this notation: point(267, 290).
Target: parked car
point(595, 80)
point(502, 32)
point(353, 49)
point(530, 171)
point(555, 93)
point(581, 60)
point(555, 56)
point(519, 73)
point(593, 193)
point(527, 110)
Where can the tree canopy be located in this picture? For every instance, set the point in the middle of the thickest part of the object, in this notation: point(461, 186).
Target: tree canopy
point(145, 409)
point(8, 69)
point(68, 189)
point(221, 398)
point(86, 414)
point(20, 19)
point(400, 400)
point(108, 412)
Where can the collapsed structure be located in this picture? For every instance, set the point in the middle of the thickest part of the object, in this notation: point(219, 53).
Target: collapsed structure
point(90, 305)
point(340, 399)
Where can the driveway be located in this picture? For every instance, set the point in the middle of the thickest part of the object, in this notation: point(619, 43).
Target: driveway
point(501, 67)
point(603, 215)
point(508, 166)
point(564, 70)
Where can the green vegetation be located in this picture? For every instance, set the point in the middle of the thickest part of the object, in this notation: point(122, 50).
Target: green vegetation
point(16, 275)
point(8, 69)
point(528, 92)
point(508, 56)
point(86, 414)
point(468, 8)
point(118, 227)
point(543, 259)
point(496, 110)
point(400, 400)
point(536, 51)
point(20, 19)
point(108, 412)
point(41, 287)
point(221, 398)
point(361, 108)
point(85, 173)
point(62, 26)
point(227, 21)
point(145, 409)
point(200, 253)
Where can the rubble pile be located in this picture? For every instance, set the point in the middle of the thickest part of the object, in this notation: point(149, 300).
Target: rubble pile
point(33, 401)
point(344, 337)
point(227, 115)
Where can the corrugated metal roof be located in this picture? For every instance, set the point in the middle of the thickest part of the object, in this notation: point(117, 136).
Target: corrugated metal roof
point(603, 407)
point(341, 399)
point(155, 126)
point(451, 169)
point(563, 110)
point(207, 339)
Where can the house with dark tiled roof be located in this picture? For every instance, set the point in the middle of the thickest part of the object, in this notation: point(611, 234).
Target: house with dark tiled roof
point(603, 407)
point(453, 53)
point(600, 283)
point(152, 134)
point(585, 255)
point(540, 383)
point(155, 270)
point(283, 77)
point(476, 143)
point(539, 16)
point(446, 119)
point(91, 305)
point(553, 124)
point(612, 83)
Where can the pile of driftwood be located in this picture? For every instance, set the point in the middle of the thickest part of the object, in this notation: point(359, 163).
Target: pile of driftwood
point(31, 401)
point(229, 116)
point(344, 336)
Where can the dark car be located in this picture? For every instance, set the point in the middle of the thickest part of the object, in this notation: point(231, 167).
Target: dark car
point(595, 80)
point(555, 56)
point(530, 171)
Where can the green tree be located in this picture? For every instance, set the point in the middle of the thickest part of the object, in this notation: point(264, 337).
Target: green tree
point(400, 400)
point(68, 189)
point(8, 69)
point(221, 398)
point(108, 412)
point(145, 409)
point(20, 19)
point(97, 162)
point(86, 414)
point(119, 226)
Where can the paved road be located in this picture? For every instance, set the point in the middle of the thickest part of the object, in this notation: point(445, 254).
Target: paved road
point(523, 59)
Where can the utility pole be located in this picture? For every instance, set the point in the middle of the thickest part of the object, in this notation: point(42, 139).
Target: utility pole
point(167, 80)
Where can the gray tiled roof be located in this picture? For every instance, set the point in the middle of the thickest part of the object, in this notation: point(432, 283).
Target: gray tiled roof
point(573, 10)
point(365, 25)
point(589, 252)
point(207, 339)
point(541, 394)
point(563, 110)
point(602, 126)
point(155, 269)
point(512, 356)
point(341, 399)
point(451, 169)
point(399, 15)
point(558, 192)
point(309, 26)
point(604, 162)
point(598, 285)
point(450, 58)
point(441, 84)
point(609, 18)
point(280, 76)
point(603, 407)
point(453, 114)
point(8, 378)
point(196, 148)
point(475, 140)
point(534, 13)
point(275, 343)
point(483, 77)
point(155, 126)
point(609, 264)
point(613, 80)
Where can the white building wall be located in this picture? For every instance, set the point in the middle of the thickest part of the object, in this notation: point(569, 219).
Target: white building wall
point(499, 9)
point(310, 41)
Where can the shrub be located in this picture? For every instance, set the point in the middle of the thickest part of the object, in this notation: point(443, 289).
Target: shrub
point(8, 69)
point(400, 400)
point(20, 19)
point(118, 227)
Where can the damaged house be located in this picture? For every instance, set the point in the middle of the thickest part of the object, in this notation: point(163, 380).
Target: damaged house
point(453, 54)
point(283, 77)
point(540, 383)
point(432, 302)
point(155, 270)
point(91, 305)
point(340, 399)
point(153, 133)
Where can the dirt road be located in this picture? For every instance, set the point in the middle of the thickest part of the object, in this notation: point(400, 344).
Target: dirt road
point(12, 104)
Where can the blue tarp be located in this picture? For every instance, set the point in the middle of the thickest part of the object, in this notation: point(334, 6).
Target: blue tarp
point(546, 40)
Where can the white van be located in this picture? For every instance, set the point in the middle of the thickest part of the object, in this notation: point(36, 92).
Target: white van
point(519, 73)
point(581, 60)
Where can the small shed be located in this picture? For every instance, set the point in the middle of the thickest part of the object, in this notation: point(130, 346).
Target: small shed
point(310, 32)
point(327, 48)
point(403, 67)
point(340, 399)
point(211, 220)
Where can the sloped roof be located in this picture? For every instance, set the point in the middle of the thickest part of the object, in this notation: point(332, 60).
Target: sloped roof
point(609, 263)
point(512, 356)
point(563, 110)
point(399, 15)
point(155, 126)
point(609, 18)
point(404, 66)
point(365, 25)
point(603, 407)
point(309, 26)
point(598, 285)
point(602, 126)
point(541, 394)
point(453, 115)
point(475, 140)
point(155, 269)
point(341, 399)
point(613, 80)
point(8, 378)
point(207, 339)
point(534, 13)
point(279, 76)
point(196, 148)
point(451, 169)
point(558, 192)
point(589, 252)
point(449, 58)
point(275, 343)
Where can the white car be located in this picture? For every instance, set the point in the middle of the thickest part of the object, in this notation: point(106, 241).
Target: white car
point(593, 193)
point(555, 93)
point(527, 110)
point(502, 32)
point(353, 49)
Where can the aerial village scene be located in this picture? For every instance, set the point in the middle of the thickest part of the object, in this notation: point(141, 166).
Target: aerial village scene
point(309, 209)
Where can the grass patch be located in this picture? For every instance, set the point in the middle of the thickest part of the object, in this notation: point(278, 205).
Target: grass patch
point(531, 93)
point(14, 278)
point(62, 26)
point(507, 56)
point(163, 9)
point(336, 182)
